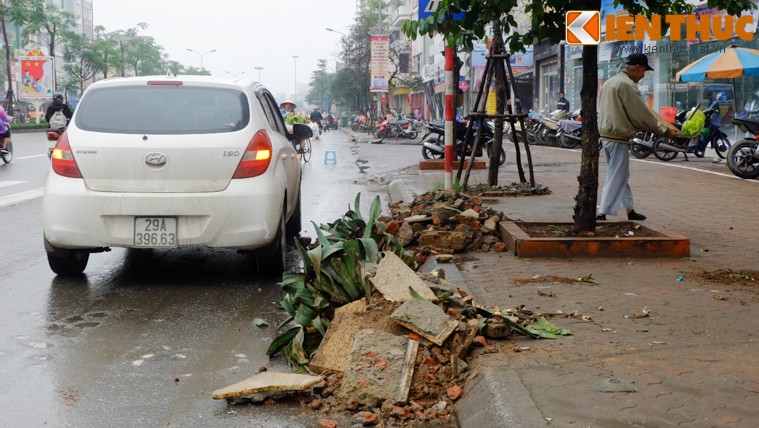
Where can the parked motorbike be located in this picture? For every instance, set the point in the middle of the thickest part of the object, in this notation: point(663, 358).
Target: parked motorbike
point(641, 146)
point(550, 125)
point(710, 135)
point(665, 149)
point(569, 134)
point(434, 147)
point(743, 156)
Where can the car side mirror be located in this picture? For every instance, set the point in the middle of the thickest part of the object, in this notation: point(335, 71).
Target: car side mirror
point(301, 131)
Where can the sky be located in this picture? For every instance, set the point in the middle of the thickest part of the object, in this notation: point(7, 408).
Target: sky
point(245, 34)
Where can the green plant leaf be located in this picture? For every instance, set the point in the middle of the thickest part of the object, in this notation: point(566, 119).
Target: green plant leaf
point(282, 340)
point(357, 206)
point(323, 241)
point(414, 294)
point(371, 252)
point(305, 315)
point(285, 322)
point(258, 322)
point(546, 330)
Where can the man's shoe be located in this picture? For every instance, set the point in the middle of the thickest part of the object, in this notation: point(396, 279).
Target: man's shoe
point(601, 217)
point(632, 215)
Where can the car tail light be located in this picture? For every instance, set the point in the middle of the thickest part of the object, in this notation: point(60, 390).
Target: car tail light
point(257, 157)
point(63, 159)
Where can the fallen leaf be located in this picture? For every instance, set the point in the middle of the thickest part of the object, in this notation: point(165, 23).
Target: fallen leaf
point(258, 322)
point(719, 297)
point(588, 279)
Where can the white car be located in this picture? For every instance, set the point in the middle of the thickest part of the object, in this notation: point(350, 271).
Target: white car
point(173, 162)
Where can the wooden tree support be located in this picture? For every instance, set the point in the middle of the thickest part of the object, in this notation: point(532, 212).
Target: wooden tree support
point(497, 62)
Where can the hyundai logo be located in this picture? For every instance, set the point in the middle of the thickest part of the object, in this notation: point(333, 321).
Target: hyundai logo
point(155, 158)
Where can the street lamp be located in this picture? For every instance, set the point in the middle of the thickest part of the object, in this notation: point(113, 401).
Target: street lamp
point(201, 56)
point(335, 31)
point(259, 72)
point(295, 74)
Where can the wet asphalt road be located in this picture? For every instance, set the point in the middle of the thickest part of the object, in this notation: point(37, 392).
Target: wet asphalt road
point(146, 336)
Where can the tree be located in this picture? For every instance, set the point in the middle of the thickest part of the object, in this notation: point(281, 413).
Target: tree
point(548, 23)
point(83, 60)
point(351, 86)
point(321, 84)
point(145, 57)
point(123, 38)
point(48, 21)
point(108, 48)
point(15, 11)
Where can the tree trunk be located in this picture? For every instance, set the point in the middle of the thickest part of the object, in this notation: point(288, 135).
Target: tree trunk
point(587, 195)
point(500, 102)
point(9, 101)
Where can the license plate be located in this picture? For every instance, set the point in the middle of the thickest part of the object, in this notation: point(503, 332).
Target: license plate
point(152, 232)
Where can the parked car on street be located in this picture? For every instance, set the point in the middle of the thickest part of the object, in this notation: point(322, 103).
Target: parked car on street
point(172, 162)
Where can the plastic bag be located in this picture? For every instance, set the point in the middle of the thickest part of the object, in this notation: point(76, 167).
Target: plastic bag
point(693, 126)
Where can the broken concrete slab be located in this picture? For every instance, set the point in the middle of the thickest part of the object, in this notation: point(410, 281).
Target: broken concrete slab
point(393, 279)
point(381, 368)
point(265, 384)
point(426, 319)
point(354, 307)
point(335, 349)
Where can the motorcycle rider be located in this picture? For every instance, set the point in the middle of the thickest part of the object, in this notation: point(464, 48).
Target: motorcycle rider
point(316, 116)
point(5, 129)
point(58, 105)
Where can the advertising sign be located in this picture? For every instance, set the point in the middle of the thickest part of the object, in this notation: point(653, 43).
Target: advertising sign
point(36, 77)
point(379, 63)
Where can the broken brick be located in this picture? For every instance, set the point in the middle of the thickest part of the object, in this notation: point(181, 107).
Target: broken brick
point(499, 247)
point(480, 341)
point(365, 418)
point(327, 423)
point(455, 392)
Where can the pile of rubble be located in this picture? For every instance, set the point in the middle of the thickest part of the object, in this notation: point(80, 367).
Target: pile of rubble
point(445, 222)
point(399, 358)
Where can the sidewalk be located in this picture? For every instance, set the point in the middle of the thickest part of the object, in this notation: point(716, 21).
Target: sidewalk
point(693, 361)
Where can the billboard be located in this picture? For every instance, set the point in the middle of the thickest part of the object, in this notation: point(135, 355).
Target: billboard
point(380, 63)
point(36, 78)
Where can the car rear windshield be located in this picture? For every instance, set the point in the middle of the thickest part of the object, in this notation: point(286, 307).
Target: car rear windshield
point(165, 109)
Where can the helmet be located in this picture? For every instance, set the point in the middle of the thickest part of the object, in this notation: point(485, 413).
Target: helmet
point(58, 96)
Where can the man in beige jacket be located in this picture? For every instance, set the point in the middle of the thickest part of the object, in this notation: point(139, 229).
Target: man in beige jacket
point(622, 113)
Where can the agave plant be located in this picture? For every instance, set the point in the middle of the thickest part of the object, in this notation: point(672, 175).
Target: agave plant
point(331, 277)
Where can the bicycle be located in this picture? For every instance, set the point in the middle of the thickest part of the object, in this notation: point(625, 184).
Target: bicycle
point(7, 155)
point(304, 149)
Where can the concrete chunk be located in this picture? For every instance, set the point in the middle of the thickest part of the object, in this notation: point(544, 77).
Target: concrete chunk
point(426, 319)
point(381, 368)
point(335, 349)
point(268, 382)
point(394, 278)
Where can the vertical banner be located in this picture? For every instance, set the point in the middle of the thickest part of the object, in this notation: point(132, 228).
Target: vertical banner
point(380, 63)
point(36, 77)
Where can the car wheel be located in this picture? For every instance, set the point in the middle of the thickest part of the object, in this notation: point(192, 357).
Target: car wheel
point(70, 263)
point(275, 263)
point(295, 224)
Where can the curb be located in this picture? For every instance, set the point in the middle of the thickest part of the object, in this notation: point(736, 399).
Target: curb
point(495, 395)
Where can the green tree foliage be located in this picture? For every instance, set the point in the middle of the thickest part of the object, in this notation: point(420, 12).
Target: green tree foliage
point(547, 23)
point(83, 60)
point(47, 21)
point(321, 84)
point(15, 11)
